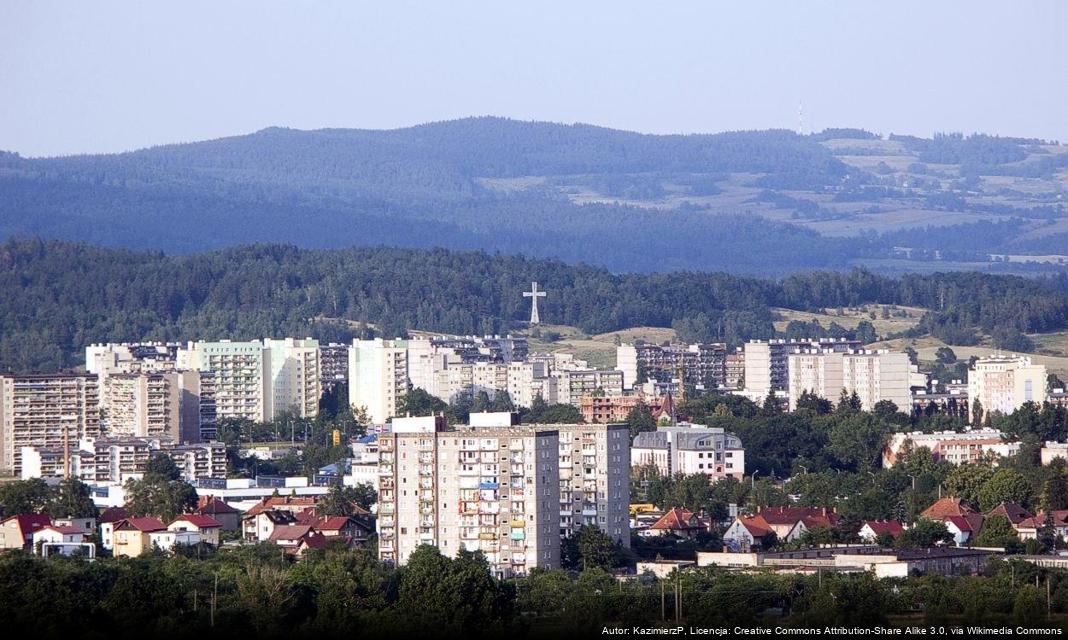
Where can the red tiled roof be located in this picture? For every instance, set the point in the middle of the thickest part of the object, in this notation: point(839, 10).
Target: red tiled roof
point(893, 527)
point(676, 519)
point(971, 522)
point(290, 503)
point(811, 516)
point(145, 525)
point(112, 514)
point(210, 505)
point(62, 529)
point(199, 521)
point(290, 532)
point(1013, 512)
point(29, 522)
point(756, 525)
point(945, 507)
point(332, 523)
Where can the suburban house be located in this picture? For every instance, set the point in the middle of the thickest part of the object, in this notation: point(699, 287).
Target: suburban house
point(108, 518)
point(787, 523)
point(206, 527)
point(1011, 511)
point(260, 527)
point(1029, 528)
point(295, 539)
point(677, 521)
point(168, 539)
point(17, 532)
point(354, 529)
point(872, 529)
point(228, 517)
point(57, 534)
point(131, 536)
point(85, 525)
point(962, 521)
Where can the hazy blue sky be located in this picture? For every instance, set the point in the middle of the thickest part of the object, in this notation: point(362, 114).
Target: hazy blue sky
point(108, 76)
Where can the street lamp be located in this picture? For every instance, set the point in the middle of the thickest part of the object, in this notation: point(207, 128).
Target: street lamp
point(913, 481)
point(804, 468)
point(753, 478)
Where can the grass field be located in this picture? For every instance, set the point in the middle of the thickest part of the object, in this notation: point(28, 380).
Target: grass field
point(853, 316)
point(927, 346)
point(599, 350)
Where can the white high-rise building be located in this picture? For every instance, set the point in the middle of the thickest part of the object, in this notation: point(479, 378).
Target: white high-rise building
point(159, 404)
point(873, 375)
point(293, 380)
point(378, 376)
point(1003, 383)
point(492, 490)
point(766, 362)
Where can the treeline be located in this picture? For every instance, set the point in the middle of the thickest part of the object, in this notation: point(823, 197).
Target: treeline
point(56, 298)
point(344, 594)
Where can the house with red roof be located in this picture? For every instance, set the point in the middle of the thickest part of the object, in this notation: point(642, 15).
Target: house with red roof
point(206, 527)
point(1029, 529)
point(57, 534)
point(17, 532)
point(224, 514)
point(131, 536)
point(107, 519)
point(964, 528)
point(676, 521)
point(296, 539)
point(1011, 511)
point(747, 533)
point(945, 507)
point(260, 527)
point(872, 529)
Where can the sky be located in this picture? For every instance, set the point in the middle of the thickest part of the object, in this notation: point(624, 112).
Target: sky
point(80, 77)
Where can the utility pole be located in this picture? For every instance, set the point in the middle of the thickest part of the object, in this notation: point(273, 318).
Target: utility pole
point(663, 602)
point(214, 597)
point(678, 596)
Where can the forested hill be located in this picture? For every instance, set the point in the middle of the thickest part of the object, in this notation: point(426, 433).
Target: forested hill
point(437, 185)
point(57, 297)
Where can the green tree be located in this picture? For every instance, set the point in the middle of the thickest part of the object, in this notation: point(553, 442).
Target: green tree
point(925, 533)
point(72, 499)
point(966, 480)
point(1004, 485)
point(342, 500)
point(25, 496)
point(589, 548)
point(162, 465)
point(418, 402)
point(640, 419)
point(997, 531)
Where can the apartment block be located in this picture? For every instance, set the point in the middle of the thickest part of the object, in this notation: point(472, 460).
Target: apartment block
point(873, 375)
point(766, 366)
point(701, 365)
point(491, 489)
point(594, 478)
point(293, 380)
point(45, 411)
point(239, 373)
point(690, 449)
point(149, 405)
point(378, 376)
point(571, 385)
point(333, 364)
point(1003, 383)
point(114, 459)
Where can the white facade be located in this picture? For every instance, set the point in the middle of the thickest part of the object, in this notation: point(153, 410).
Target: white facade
point(293, 378)
point(239, 375)
point(689, 449)
point(378, 376)
point(1003, 383)
point(873, 375)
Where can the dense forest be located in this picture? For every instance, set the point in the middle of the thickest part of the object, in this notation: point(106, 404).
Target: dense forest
point(57, 297)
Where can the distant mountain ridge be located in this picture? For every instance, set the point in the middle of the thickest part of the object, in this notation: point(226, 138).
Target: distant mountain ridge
point(575, 192)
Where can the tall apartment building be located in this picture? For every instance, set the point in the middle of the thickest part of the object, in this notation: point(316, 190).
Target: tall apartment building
point(131, 357)
point(594, 478)
point(164, 404)
point(378, 376)
point(734, 369)
point(238, 376)
point(689, 449)
point(45, 411)
point(571, 385)
point(492, 490)
point(293, 380)
point(115, 459)
point(873, 375)
point(333, 364)
point(1003, 383)
point(702, 365)
point(766, 366)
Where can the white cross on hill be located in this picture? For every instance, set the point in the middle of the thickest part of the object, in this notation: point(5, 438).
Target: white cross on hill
point(534, 294)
